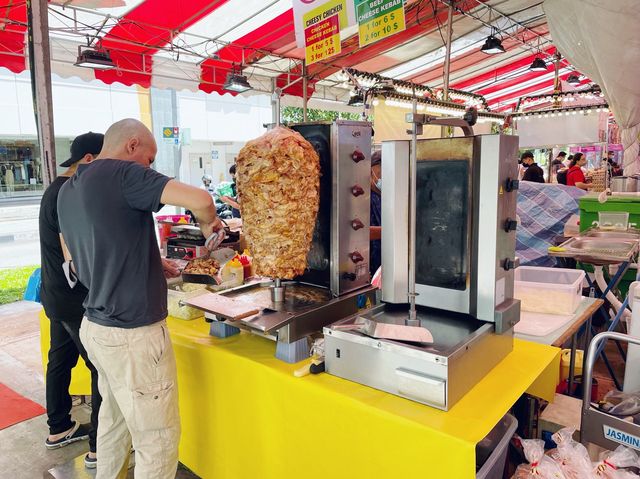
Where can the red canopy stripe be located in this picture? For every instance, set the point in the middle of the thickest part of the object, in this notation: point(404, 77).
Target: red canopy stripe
point(13, 28)
point(496, 74)
point(469, 59)
point(271, 36)
point(141, 32)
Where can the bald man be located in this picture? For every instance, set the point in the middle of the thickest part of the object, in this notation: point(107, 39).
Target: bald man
point(105, 213)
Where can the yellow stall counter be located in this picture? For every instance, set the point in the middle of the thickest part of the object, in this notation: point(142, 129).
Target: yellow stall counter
point(245, 415)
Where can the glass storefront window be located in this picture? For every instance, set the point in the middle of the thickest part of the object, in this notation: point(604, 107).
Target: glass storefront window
point(21, 172)
point(20, 168)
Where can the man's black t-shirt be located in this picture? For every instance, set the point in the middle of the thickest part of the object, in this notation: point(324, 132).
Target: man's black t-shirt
point(534, 173)
point(105, 218)
point(61, 303)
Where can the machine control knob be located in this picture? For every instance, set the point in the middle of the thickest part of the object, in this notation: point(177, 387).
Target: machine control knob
point(356, 257)
point(356, 224)
point(512, 185)
point(349, 276)
point(508, 264)
point(357, 156)
point(357, 190)
point(510, 225)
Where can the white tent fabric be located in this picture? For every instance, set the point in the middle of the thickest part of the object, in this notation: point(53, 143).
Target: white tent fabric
point(602, 39)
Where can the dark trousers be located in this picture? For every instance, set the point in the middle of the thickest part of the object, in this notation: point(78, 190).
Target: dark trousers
point(63, 356)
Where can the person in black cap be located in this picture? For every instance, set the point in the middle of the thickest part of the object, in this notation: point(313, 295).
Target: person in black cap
point(533, 172)
point(63, 306)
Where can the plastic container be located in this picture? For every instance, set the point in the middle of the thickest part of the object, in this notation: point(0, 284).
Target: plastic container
point(548, 290)
point(178, 291)
point(613, 220)
point(491, 452)
point(232, 275)
point(565, 359)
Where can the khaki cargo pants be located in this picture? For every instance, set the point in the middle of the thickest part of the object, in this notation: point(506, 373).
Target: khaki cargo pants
point(137, 381)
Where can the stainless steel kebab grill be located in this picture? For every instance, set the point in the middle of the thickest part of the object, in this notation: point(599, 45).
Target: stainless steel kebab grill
point(337, 281)
point(463, 192)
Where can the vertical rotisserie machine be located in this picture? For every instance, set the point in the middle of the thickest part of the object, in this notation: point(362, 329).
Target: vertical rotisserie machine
point(464, 225)
point(337, 282)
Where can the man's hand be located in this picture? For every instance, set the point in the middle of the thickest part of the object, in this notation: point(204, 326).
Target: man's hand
point(170, 268)
point(230, 201)
point(216, 226)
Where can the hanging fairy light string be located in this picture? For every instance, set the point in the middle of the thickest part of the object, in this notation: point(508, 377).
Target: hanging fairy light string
point(592, 94)
point(427, 105)
point(372, 81)
point(562, 112)
point(469, 99)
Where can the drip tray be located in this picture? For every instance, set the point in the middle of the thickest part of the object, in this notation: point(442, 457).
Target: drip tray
point(450, 331)
point(439, 374)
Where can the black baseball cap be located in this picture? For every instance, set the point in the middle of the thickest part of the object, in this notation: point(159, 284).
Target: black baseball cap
point(83, 144)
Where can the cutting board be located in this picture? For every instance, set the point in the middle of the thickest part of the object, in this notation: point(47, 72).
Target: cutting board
point(540, 324)
point(223, 306)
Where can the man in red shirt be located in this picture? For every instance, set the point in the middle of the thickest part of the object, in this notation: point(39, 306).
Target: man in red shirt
point(575, 176)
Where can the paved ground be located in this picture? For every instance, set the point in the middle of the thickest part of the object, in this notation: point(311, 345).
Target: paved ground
point(22, 451)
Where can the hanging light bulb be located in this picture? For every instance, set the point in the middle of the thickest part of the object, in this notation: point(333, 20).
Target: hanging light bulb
point(538, 65)
point(573, 79)
point(492, 46)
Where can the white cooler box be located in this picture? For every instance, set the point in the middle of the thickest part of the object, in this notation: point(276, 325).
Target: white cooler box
point(548, 290)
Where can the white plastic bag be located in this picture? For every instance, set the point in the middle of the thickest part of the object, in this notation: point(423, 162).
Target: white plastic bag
point(571, 456)
point(612, 463)
point(540, 466)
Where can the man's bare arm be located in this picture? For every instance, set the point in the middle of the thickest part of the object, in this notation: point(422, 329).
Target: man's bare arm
point(198, 201)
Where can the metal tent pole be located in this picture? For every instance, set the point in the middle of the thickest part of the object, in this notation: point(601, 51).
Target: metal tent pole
point(40, 66)
point(305, 96)
point(447, 63)
point(275, 104)
point(413, 162)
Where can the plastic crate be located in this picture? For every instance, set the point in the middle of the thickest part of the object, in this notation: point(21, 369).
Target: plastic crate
point(548, 290)
point(491, 452)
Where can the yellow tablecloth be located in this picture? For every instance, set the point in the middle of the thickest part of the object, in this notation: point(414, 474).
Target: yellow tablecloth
point(244, 414)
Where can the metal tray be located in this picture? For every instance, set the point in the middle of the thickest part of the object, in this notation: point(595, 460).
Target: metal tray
point(199, 278)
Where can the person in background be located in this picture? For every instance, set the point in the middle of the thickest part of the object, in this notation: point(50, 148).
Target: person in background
point(575, 175)
point(567, 162)
point(375, 231)
point(533, 172)
point(105, 213)
point(557, 164)
point(63, 307)
point(206, 184)
point(232, 200)
point(612, 166)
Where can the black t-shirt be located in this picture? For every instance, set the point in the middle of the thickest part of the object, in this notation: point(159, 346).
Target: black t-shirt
point(105, 218)
point(534, 173)
point(60, 302)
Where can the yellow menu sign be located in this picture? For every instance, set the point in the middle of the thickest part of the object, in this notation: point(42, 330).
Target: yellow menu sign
point(378, 19)
point(322, 30)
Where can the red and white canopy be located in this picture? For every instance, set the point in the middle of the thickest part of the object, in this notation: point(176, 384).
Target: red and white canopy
point(194, 44)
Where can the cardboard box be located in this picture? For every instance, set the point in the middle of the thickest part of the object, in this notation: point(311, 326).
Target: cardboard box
point(564, 411)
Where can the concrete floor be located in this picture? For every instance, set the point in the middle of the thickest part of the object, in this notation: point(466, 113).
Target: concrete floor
point(22, 451)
